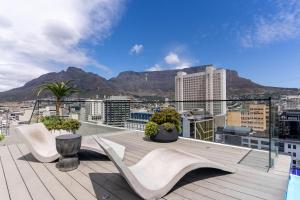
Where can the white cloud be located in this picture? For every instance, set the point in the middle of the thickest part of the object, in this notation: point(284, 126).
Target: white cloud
point(283, 25)
point(172, 58)
point(40, 36)
point(177, 62)
point(136, 49)
point(156, 67)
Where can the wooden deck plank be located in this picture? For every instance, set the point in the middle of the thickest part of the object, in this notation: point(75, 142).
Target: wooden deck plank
point(15, 183)
point(173, 196)
point(97, 177)
point(199, 148)
point(91, 186)
point(57, 190)
point(3, 186)
point(232, 193)
point(133, 159)
point(77, 190)
point(120, 188)
point(35, 187)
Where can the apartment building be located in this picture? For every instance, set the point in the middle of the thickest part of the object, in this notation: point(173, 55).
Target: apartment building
point(202, 86)
point(116, 110)
point(93, 110)
point(291, 102)
point(255, 116)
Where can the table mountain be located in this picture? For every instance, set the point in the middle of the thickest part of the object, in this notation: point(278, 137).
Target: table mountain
point(156, 83)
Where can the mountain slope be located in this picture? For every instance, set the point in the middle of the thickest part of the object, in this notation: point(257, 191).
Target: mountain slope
point(88, 83)
point(157, 83)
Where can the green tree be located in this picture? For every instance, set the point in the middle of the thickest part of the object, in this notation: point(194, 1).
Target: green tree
point(59, 90)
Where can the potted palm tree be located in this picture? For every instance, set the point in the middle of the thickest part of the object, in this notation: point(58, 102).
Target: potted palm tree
point(67, 145)
point(164, 126)
point(59, 90)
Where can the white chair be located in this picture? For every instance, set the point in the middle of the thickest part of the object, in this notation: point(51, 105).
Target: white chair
point(157, 173)
point(42, 145)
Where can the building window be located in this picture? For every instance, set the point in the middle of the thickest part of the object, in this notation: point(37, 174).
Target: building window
point(289, 146)
point(254, 141)
point(294, 154)
point(264, 143)
point(294, 146)
point(245, 140)
point(294, 162)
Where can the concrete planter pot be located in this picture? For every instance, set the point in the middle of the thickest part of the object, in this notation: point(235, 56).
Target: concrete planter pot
point(68, 145)
point(165, 136)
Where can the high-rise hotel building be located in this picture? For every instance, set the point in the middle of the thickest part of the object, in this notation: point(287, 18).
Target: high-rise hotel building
point(202, 86)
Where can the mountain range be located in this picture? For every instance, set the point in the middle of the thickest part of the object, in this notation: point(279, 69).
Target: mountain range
point(138, 84)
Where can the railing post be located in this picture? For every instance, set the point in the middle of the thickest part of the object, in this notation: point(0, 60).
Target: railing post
point(270, 132)
point(38, 109)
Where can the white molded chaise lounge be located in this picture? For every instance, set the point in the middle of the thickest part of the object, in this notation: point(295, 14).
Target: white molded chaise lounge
point(158, 172)
point(42, 144)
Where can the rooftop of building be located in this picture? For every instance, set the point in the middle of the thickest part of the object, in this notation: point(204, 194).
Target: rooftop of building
point(22, 177)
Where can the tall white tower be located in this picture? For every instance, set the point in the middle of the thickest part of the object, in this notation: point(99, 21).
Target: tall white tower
point(202, 86)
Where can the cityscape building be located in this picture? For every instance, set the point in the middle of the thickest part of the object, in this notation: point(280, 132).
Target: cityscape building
point(202, 86)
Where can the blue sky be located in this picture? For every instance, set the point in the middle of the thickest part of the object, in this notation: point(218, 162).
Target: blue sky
point(203, 32)
point(258, 38)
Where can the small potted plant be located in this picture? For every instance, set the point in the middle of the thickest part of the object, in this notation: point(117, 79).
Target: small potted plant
point(164, 126)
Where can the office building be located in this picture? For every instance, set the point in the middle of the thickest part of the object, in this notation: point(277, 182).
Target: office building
point(234, 118)
point(138, 120)
point(116, 110)
point(292, 148)
point(291, 102)
point(289, 125)
point(93, 110)
point(241, 136)
point(202, 86)
point(198, 125)
point(255, 116)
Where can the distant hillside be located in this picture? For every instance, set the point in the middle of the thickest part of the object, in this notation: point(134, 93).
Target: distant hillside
point(89, 84)
point(157, 83)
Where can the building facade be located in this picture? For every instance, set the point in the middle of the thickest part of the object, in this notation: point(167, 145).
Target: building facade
point(116, 110)
point(241, 136)
point(255, 116)
point(202, 86)
point(289, 125)
point(198, 125)
point(93, 110)
point(138, 120)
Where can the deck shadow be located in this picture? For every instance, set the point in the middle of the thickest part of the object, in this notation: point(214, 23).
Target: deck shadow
point(189, 178)
point(83, 155)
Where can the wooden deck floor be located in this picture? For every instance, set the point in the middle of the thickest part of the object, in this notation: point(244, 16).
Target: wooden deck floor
point(22, 177)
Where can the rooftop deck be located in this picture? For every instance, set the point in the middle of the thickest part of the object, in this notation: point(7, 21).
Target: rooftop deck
point(22, 177)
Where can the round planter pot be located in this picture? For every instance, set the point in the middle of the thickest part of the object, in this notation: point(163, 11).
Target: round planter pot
point(68, 145)
point(165, 136)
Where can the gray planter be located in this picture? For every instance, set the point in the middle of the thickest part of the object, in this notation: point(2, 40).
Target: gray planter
point(165, 136)
point(68, 146)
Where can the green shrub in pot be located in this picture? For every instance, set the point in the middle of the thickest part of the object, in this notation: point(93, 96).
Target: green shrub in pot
point(168, 126)
point(58, 123)
point(71, 125)
point(151, 129)
point(167, 115)
point(2, 136)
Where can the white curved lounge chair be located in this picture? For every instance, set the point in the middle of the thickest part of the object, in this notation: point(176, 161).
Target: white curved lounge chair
point(42, 144)
point(157, 173)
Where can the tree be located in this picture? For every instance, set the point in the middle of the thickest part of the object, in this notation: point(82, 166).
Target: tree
point(59, 90)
